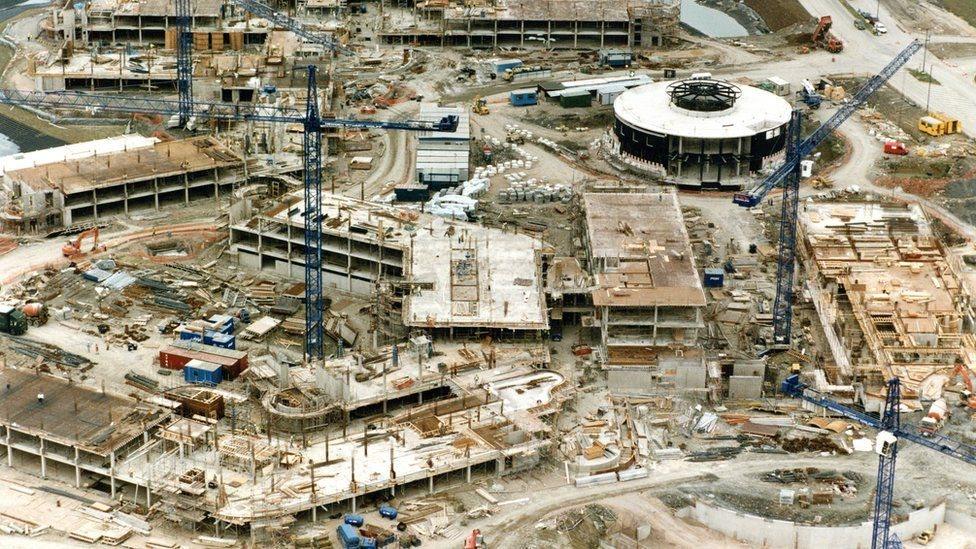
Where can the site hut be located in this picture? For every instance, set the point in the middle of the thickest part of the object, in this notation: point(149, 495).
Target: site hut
point(523, 98)
point(701, 132)
point(615, 58)
point(443, 157)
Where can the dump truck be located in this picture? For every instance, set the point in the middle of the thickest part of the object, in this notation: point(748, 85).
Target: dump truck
point(13, 321)
point(938, 123)
point(824, 39)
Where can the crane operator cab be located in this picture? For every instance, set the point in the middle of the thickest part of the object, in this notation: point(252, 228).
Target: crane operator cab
point(885, 443)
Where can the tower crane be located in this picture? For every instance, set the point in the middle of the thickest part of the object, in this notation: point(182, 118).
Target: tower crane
point(788, 177)
point(184, 44)
point(312, 122)
point(890, 432)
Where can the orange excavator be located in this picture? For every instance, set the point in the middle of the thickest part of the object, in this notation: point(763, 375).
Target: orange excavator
point(968, 398)
point(73, 248)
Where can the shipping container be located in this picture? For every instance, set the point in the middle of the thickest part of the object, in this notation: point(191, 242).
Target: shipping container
point(606, 94)
point(523, 98)
point(714, 278)
point(175, 356)
point(499, 66)
point(615, 58)
point(199, 371)
point(222, 323)
point(575, 98)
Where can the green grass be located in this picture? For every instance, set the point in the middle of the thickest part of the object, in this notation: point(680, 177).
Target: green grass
point(963, 8)
point(923, 76)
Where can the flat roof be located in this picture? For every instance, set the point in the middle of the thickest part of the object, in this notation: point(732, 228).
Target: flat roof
point(115, 167)
point(477, 276)
point(74, 151)
point(649, 108)
point(645, 234)
point(72, 414)
point(430, 112)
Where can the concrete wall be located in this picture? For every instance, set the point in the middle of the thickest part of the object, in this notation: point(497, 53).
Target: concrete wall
point(745, 387)
point(764, 532)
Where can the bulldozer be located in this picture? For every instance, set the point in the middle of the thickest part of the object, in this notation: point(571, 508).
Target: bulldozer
point(73, 247)
point(938, 123)
point(480, 106)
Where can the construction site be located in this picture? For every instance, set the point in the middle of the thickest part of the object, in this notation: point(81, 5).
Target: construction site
point(576, 274)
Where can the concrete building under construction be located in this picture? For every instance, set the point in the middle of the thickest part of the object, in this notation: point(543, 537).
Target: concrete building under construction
point(464, 277)
point(101, 179)
point(648, 296)
point(889, 300)
point(216, 25)
point(561, 24)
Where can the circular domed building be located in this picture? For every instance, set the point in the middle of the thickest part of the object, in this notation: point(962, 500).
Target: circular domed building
point(701, 132)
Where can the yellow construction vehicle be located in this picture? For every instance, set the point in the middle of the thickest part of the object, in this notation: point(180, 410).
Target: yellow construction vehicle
point(938, 123)
point(480, 106)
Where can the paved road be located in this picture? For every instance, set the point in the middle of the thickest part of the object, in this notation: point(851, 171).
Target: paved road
point(866, 52)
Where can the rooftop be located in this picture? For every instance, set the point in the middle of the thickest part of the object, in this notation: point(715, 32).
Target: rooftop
point(650, 108)
point(644, 235)
point(71, 414)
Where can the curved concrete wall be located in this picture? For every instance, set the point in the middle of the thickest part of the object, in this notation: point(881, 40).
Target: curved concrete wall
point(771, 533)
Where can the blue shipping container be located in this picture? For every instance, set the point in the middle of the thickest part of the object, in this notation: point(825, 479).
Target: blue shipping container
point(222, 323)
point(348, 536)
point(501, 65)
point(187, 335)
point(199, 371)
point(523, 98)
point(223, 341)
point(714, 278)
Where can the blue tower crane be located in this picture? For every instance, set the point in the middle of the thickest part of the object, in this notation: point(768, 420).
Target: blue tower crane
point(787, 176)
point(311, 121)
point(184, 44)
point(184, 60)
point(891, 431)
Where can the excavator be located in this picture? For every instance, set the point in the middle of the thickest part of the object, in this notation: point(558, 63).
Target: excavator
point(968, 398)
point(73, 248)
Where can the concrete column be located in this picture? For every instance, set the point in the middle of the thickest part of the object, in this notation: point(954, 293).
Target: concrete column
point(10, 450)
point(43, 459)
point(125, 200)
point(145, 437)
point(354, 504)
point(216, 186)
point(156, 192)
point(467, 474)
point(186, 189)
point(500, 466)
point(77, 470)
point(111, 473)
point(430, 483)
point(95, 204)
